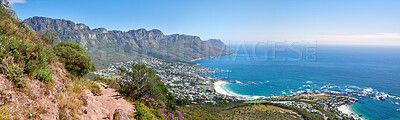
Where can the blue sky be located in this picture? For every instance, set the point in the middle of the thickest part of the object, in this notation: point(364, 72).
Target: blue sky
point(366, 22)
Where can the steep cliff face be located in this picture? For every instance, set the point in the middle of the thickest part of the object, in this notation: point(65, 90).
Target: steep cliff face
point(5, 5)
point(218, 44)
point(139, 42)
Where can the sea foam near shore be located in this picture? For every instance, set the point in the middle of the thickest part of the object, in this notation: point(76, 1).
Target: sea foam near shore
point(346, 110)
point(219, 87)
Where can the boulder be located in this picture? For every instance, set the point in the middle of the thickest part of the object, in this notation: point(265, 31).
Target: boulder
point(119, 115)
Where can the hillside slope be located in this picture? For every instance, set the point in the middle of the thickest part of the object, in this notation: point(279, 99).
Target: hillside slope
point(218, 44)
point(34, 84)
point(6, 7)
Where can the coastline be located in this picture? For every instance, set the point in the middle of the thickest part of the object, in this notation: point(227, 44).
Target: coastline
point(197, 59)
point(218, 87)
point(345, 109)
point(348, 110)
point(221, 90)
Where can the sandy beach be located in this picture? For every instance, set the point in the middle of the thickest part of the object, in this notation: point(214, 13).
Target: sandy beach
point(218, 87)
point(346, 110)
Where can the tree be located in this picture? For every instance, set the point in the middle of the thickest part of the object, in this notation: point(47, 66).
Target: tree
point(74, 57)
point(144, 81)
point(50, 37)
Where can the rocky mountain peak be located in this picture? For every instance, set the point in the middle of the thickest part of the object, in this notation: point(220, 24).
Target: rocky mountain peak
point(100, 30)
point(137, 42)
point(5, 5)
point(218, 44)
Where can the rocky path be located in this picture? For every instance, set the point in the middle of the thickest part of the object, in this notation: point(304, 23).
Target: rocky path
point(103, 106)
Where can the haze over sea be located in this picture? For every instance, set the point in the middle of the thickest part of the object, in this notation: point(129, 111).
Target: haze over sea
point(286, 69)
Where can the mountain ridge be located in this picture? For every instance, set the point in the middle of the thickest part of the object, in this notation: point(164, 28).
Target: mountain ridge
point(128, 44)
point(218, 44)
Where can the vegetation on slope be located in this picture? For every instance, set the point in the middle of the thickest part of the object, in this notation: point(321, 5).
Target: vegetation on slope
point(144, 81)
point(247, 112)
point(74, 57)
point(142, 85)
point(22, 52)
point(34, 84)
point(306, 115)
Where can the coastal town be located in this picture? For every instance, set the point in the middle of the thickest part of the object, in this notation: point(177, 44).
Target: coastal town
point(182, 79)
point(186, 81)
point(328, 104)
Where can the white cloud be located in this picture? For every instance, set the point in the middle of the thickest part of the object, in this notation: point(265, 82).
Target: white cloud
point(16, 1)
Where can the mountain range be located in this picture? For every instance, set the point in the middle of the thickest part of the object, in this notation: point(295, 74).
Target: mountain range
point(111, 46)
point(218, 44)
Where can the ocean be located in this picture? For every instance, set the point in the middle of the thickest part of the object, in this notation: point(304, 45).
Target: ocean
point(273, 70)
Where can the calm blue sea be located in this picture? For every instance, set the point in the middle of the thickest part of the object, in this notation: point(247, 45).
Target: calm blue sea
point(287, 69)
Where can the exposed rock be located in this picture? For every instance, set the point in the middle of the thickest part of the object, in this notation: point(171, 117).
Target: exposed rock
point(119, 115)
point(104, 85)
point(5, 5)
point(218, 44)
point(103, 107)
point(100, 41)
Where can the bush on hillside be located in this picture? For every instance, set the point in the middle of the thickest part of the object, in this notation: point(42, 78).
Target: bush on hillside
point(22, 51)
point(40, 59)
point(143, 112)
point(50, 37)
point(44, 76)
point(110, 82)
point(19, 57)
point(74, 57)
point(16, 48)
point(94, 88)
point(144, 81)
point(159, 109)
point(13, 72)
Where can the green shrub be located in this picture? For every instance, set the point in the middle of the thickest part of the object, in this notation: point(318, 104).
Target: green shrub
point(51, 56)
point(31, 66)
point(74, 57)
point(16, 48)
point(143, 113)
point(94, 88)
point(22, 51)
point(13, 72)
point(31, 58)
point(144, 81)
point(39, 59)
point(50, 37)
point(44, 76)
point(110, 82)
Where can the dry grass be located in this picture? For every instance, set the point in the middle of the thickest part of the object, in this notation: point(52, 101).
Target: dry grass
point(17, 29)
point(66, 89)
point(4, 114)
point(71, 101)
point(322, 97)
point(268, 108)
